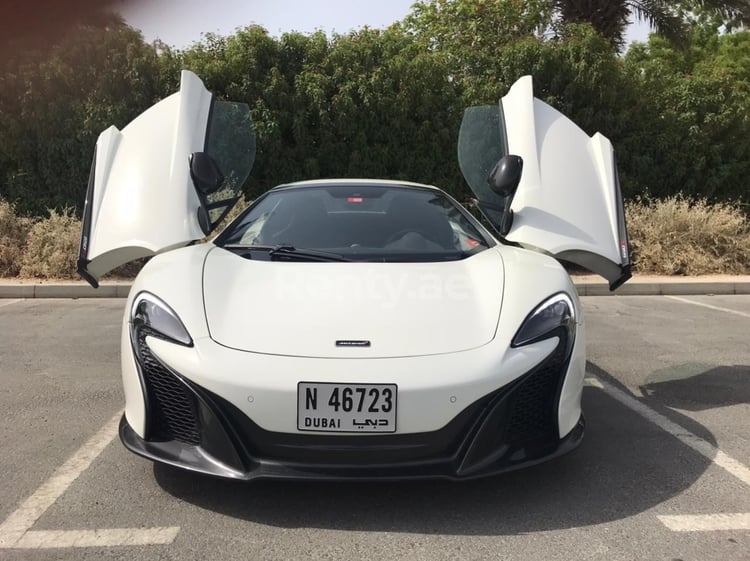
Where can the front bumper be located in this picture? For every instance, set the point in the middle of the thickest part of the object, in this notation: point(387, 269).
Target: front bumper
point(195, 458)
point(192, 428)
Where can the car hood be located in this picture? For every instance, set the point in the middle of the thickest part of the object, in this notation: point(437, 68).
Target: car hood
point(399, 309)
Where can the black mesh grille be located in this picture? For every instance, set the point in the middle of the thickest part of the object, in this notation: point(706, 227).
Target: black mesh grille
point(533, 414)
point(173, 412)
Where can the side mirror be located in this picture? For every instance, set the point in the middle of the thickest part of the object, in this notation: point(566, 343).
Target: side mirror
point(506, 175)
point(503, 180)
point(205, 173)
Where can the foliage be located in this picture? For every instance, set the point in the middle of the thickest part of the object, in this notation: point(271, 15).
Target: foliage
point(52, 247)
point(54, 104)
point(13, 232)
point(693, 121)
point(683, 236)
point(670, 19)
point(40, 24)
point(472, 34)
point(609, 19)
point(731, 14)
point(370, 103)
point(389, 103)
point(673, 236)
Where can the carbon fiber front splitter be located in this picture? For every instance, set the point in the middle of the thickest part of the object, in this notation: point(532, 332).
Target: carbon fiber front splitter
point(194, 458)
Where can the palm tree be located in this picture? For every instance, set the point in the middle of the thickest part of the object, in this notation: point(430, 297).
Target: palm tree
point(612, 17)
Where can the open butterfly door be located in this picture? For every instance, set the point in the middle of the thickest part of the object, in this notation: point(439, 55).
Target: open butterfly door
point(568, 202)
point(167, 179)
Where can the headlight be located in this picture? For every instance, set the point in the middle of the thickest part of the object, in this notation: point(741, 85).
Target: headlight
point(554, 313)
point(149, 311)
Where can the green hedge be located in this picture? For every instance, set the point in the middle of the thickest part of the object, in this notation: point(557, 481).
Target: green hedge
point(386, 103)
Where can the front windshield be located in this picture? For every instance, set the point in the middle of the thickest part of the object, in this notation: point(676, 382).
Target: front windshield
point(360, 223)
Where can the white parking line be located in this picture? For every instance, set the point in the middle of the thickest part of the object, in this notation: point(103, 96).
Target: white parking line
point(703, 447)
point(709, 306)
point(707, 522)
point(4, 302)
point(19, 522)
point(97, 538)
point(14, 531)
point(686, 523)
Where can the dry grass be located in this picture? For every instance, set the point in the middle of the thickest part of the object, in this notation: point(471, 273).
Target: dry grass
point(680, 236)
point(675, 236)
point(13, 232)
point(48, 248)
point(52, 247)
point(234, 213)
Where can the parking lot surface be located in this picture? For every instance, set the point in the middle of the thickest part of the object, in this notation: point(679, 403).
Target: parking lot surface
point(662, 473)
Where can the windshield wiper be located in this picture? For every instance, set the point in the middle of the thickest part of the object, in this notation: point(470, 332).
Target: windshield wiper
point(289, 252)
point(309, 254)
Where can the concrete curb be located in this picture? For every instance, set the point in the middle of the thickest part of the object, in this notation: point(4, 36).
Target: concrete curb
point(671, 286)
point(667, 287)
point(67, 290)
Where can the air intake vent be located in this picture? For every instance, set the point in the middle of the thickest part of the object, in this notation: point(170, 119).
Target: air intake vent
point(533, 414)
point(173, 411)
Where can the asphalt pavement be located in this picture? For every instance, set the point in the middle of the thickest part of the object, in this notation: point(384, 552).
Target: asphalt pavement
point(662, 473)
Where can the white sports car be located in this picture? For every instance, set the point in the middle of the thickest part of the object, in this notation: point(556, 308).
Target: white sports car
point(352, 328)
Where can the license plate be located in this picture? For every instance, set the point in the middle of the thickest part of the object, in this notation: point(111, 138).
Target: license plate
point(327, 407)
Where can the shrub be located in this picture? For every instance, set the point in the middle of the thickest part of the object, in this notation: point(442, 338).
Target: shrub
point(48, 248)
point(683, 236)
point(52, 247)
point(128, 270)
point(13, 232)
point(674, 236)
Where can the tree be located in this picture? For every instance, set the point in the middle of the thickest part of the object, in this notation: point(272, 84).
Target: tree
point(55, 102)
point(489, 44)
point(612, 17)
point(471, 33)
point(41, 24)
point(369, 103)
point(694, 138)
point(389, 103)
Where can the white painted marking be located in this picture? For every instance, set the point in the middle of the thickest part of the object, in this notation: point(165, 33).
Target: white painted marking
point(709, 306)
point(703, 447)
point(4, 302)
point(98, 538)
point(707, 522)
point(19, 522)
point(15, 530)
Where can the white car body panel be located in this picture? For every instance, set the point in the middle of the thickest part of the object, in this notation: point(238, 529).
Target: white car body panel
point(566, 201)
point(543, 269)
point(425, 383)
point(404, 309)
point(176, 277)
point(140, 210)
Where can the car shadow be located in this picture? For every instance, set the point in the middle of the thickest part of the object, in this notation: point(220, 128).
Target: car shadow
point(696, 387)
point(625, 466)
